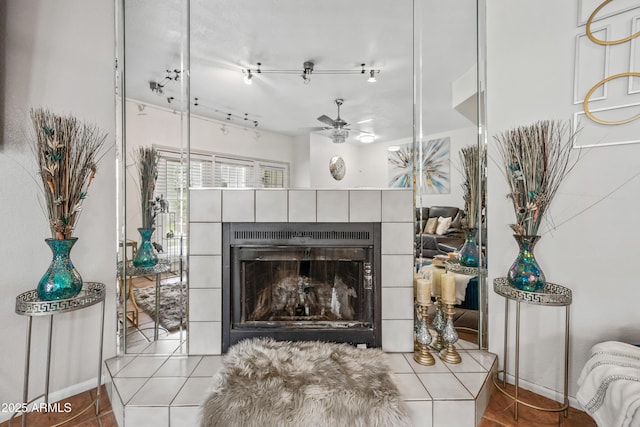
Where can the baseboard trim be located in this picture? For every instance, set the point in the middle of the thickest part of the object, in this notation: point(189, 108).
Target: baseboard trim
point(55, 396)
point(544, 391)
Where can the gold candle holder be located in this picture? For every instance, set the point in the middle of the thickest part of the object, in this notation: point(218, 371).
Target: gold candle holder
point(438, 324)
point(421, 354)
point(449, 353)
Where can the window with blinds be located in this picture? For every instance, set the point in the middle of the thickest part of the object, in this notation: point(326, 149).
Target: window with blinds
point(170, 181)
point(208, 170)
point(248, 173)
point(233, 173)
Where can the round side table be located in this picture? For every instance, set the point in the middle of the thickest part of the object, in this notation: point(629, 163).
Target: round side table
point(129, 270)
point(551, 295)
point(28, 304)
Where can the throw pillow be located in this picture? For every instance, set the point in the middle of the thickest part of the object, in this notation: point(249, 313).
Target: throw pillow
point(443, 225)
point(430, 226)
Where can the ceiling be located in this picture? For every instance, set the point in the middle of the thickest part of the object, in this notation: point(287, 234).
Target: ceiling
point(228, 37)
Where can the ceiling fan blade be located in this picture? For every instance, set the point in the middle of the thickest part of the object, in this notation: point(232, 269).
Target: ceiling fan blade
point(362, 132)
point(320, 128)
point(327, 120)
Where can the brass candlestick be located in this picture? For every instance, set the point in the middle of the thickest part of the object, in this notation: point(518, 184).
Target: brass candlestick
point(422, 355)
point(438, 324)
point(449, 353)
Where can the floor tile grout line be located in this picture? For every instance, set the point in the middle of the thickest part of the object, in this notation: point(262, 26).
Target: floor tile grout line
point(143, 384)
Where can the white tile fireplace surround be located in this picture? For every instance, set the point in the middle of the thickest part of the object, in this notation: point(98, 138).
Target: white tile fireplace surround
point(209, 208)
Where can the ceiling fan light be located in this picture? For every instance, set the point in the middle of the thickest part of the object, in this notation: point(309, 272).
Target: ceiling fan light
point(367, 139)
point(339, 136)
point(372, 76)
point(394, 148)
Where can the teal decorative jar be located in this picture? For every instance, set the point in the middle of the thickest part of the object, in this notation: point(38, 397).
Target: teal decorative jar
point(145, 255)
point(525, 273)
point(469, 254)
point(61, 280)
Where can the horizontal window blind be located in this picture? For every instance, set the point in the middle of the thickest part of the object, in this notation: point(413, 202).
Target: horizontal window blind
point(233, 173)
point(272, 176)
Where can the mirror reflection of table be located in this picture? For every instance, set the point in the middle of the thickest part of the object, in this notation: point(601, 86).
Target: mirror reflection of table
point(129, 270)
point(454, 266)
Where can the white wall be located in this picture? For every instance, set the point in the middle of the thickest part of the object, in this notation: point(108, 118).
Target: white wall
point(530, 71)
point(58, 55)
point(321, 150)
point(300, 177)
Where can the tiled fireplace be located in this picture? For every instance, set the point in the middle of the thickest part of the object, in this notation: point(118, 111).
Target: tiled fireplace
point(211, 208)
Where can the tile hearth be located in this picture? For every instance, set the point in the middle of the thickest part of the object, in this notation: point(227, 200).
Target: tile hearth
point(162, 391)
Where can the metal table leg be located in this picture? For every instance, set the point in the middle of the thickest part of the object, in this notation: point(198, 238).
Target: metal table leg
point(505, 352)
point(100, 359)
point(517, 361)
point(46, 383)
point(566, 363)
point(155, 331)
point(27, 358)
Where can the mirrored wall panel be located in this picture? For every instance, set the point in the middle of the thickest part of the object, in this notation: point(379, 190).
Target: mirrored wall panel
point(449, 156)
point(154, 167)
point(272, 94)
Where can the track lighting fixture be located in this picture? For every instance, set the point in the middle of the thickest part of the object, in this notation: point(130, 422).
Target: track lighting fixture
point(308, 68)
point(229, 117)
point(158, 87)
point(306, 72)
point(248, 77)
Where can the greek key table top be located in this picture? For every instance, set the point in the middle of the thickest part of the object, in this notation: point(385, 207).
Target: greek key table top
point(29, 304)
point(454, 266)
point(162, 266)
point(551, 294)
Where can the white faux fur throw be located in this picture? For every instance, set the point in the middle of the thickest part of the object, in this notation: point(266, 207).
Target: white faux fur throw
point(266, 383)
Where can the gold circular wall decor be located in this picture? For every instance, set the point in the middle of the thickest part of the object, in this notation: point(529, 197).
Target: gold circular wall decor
point(585, 103)
point(337, 168)
point(605, 42)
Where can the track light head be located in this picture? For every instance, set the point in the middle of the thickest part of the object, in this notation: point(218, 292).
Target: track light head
point(248, 77)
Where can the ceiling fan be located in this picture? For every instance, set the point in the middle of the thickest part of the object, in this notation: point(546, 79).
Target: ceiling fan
point(339, 128)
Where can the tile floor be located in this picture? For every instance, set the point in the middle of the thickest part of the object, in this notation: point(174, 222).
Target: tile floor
point(498, 413)
point(151, 390)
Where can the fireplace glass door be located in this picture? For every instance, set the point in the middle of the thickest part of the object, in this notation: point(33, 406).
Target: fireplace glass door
point(316, 290)
point(304, 287)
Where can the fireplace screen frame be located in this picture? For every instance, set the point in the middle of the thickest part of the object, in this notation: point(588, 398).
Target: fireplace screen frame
point(299, 235)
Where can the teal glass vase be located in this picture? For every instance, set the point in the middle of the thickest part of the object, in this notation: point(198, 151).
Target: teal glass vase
point(145, 255)
point(61, 280)
point(469, 254)
point(525, 272)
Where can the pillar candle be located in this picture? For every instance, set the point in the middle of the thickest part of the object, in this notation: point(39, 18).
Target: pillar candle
point(448, 283)
point(436, 274)
point(416, 276)
point(424, 292)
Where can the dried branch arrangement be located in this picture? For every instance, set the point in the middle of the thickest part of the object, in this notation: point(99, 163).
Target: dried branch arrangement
point(536, 159)
point(147, 163)
point(67, 152)
point(473, 161)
